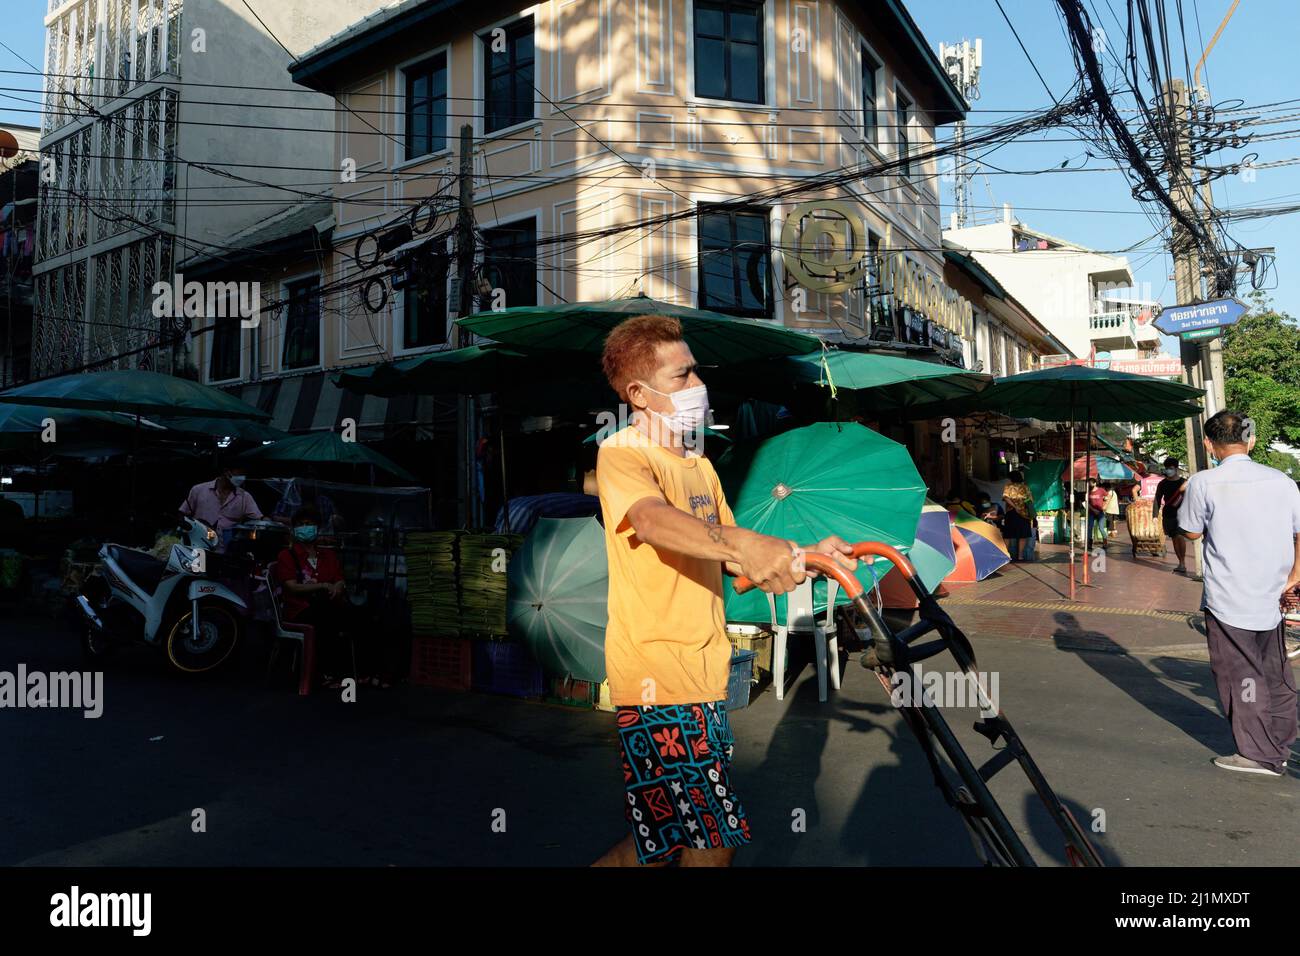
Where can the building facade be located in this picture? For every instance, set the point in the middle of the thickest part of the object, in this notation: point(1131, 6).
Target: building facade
point(1085, 298)
point(169, 126)
point(606, 139)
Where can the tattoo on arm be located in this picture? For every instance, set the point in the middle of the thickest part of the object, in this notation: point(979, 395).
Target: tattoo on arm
point(715, 534)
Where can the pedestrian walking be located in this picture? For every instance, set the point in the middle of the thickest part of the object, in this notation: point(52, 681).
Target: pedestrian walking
point(1112, 509)
point(1096, 512)
point(1249, 516)
point(1018, 522)
point(1169, 494)
point(669, 534)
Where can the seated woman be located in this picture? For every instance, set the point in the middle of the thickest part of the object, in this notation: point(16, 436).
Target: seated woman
point(314, 593)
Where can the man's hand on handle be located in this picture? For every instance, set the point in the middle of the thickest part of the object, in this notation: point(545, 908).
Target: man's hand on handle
point(776, 565)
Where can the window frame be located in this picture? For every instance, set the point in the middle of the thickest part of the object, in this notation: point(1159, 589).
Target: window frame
point(903, 128)
point(533, 219)
point(403, 111)
point(237, 333)
point(870, 135)
point(765, 57)
point(286, 293)
point(483, 55)
point(399, 314)
point(764, 213)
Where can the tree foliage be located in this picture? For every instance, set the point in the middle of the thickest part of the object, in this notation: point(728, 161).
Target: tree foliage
point(1261, 363)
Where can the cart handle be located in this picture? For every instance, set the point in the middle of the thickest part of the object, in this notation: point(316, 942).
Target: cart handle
point(824, 563)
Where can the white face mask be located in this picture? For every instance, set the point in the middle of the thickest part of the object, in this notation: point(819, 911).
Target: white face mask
point(1171, 472)
point(690, 409)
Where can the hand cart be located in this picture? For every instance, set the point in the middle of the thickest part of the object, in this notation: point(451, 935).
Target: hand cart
point(1146, 534)
point(963, 785)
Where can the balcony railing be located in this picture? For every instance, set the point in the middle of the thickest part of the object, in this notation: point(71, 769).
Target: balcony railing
point(1107, 325)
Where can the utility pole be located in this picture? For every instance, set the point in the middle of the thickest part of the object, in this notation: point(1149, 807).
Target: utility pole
point(465, 430)
point(962, 62)
point(1187, 260)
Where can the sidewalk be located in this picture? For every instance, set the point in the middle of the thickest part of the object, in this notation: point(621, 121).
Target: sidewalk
point(1131, 604)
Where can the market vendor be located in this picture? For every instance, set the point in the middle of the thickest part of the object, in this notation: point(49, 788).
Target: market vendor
point(221, 503)
point(669, 534)
point(314, 593)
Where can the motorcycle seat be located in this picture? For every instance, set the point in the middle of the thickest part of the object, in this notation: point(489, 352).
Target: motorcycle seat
point(141, 567)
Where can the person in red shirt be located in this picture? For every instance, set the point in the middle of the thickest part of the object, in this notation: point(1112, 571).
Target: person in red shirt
point(1096, 510)
point(313, 592)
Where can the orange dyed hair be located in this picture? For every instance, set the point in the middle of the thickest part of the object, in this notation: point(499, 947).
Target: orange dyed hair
point(630, 349)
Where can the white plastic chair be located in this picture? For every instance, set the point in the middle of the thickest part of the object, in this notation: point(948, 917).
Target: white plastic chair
point(799, 618)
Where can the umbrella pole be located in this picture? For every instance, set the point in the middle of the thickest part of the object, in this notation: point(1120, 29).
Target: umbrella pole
point(1087, 504)
point(135, 445)
point(1070, 510)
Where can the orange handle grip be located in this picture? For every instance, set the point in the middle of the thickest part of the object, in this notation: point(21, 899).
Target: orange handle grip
point(815, 561)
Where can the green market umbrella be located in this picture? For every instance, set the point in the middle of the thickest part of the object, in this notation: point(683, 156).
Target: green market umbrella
point(241, 428)
point(21, 425)
point(557, 596)
point(470, 370)
point(1072, 393)
point(822, 479)
point(714, 339)
point(892, 382)
point(325, 447)
point(133, 391)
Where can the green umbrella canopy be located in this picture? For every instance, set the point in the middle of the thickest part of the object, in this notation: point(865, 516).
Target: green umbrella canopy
point(714, 339)
point(557, 596)
point(1082, 393)
point(241, 428)
point(134, 392)
point(469, 370)
point(894, 381)
point(823, 479)
point(325, 447)
point(21, 424)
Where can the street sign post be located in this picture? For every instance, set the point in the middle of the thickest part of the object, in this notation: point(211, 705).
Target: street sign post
point(1200, 315)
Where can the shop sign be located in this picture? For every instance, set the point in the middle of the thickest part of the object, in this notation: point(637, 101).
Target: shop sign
point(825, 248)
point(1159, 367)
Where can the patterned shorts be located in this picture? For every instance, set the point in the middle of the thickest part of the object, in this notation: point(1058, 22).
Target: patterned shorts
point(675, 762)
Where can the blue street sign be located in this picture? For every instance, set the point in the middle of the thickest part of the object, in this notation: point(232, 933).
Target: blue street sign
point(1203, 315)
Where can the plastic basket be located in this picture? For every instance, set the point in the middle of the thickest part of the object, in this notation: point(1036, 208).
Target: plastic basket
point(441, 662)
point(752, 638)
point(571, 692)
point(740, 680)
point(504, 667)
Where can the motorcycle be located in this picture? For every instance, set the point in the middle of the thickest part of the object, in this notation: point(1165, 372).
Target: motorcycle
point(180, 605)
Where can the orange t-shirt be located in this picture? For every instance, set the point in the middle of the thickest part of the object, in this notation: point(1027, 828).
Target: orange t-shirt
point(666, 642)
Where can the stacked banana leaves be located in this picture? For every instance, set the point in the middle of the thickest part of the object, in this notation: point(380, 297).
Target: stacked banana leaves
point(431, 586)
point(483, 562)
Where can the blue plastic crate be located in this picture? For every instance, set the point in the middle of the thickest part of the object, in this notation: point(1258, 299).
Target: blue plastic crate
point(504, 667)
point(740, 680)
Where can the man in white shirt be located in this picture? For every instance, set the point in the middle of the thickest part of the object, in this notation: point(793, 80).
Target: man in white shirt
point(1249, 515)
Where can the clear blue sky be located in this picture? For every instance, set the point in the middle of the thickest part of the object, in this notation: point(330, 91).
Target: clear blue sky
point(1246, 64)
point(1253, 61)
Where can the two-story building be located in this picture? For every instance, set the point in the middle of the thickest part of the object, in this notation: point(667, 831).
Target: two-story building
point(654, 146)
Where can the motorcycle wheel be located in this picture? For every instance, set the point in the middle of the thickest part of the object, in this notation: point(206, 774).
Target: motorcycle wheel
point(218, 634)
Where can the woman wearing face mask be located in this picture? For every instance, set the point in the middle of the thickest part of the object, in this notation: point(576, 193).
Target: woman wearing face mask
point(1170, 493)
point(314, 593)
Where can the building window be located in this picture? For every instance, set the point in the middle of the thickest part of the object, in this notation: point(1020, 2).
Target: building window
point(729, 50)
point(302, 324)
point(735, 274)
point(426, 106)
point(870, 121)
point(508, 75)
point(903, 119)
point(223, 364)
point(510, 264)
point(424, 304)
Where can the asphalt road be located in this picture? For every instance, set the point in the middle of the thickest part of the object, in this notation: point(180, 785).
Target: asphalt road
point(417, 777)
